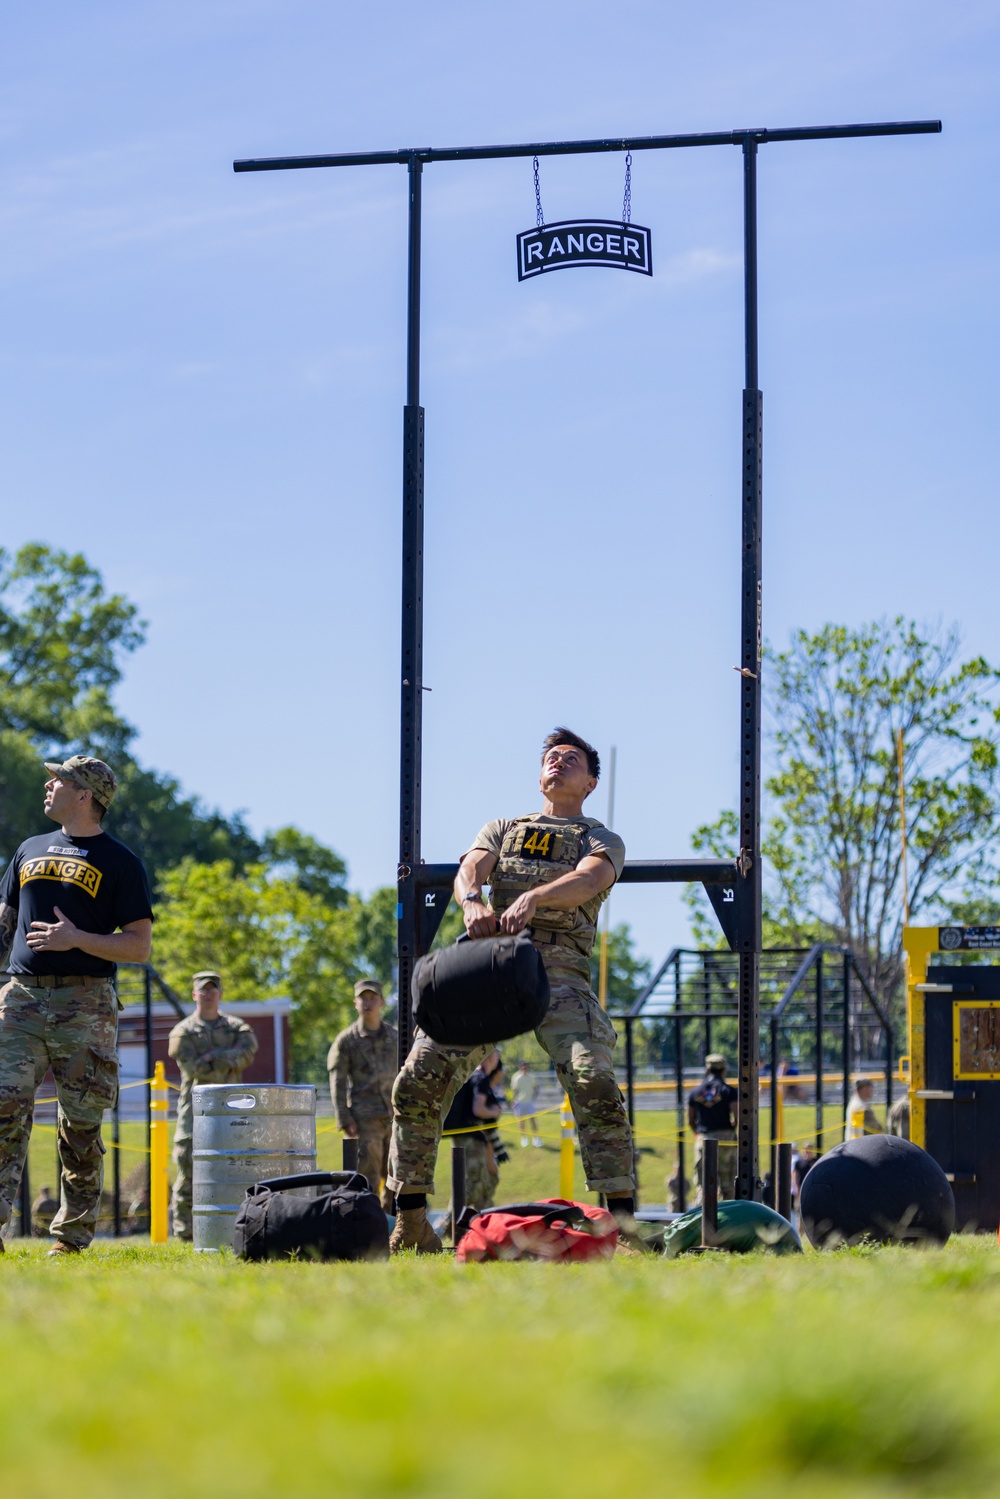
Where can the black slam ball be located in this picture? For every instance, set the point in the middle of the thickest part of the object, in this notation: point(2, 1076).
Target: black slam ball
point(879, 1188)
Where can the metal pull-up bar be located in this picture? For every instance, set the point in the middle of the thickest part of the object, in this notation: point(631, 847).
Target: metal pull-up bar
point(736, 897)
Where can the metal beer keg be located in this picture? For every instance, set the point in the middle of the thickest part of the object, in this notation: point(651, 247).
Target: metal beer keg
point(245, 1134)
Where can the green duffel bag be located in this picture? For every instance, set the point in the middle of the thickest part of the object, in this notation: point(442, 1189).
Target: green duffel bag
point(743, 1226)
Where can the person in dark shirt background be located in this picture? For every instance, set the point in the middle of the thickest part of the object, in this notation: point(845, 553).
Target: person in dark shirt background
point(712, 1116)
point(73, 904)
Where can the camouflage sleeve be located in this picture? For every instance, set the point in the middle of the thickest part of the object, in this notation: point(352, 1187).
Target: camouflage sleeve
point(338, 1066)
point(8, 926)
point(181, 1047)
point(241, 1050)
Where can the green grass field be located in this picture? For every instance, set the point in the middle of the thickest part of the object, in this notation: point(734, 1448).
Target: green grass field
point(165, 1373)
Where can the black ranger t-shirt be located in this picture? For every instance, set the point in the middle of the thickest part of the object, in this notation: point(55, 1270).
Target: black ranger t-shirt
point(713, 1103)
point(95, 881)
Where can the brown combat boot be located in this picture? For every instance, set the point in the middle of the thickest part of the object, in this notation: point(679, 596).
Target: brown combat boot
point(61, 1247)
point(413, 1231)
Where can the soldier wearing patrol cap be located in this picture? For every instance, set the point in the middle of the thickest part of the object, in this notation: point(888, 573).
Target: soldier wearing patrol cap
point(712, 1116)
point(73, 905)
point(362, 1068)
point(208, 1047)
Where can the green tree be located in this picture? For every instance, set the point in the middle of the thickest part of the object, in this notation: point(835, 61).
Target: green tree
point(628, 974)
point(268, 937)
point(63, 642)
point(832, 844)
point(314, 867)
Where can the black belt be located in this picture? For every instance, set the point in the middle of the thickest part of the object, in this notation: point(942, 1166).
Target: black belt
point(56, 980)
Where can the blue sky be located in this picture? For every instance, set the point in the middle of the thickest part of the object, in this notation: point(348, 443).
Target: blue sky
point(202, 377)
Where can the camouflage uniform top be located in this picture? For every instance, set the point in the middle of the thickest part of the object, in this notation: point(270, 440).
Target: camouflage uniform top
point(208, 1051)
point(362, 1068)
point(538, 849)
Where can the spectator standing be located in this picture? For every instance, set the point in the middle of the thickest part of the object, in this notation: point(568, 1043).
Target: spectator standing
point(524, 1089)
point(712, 1116)
point(899, 1118)
point(208, 1047)
point(861, 1116)
point(73, 905)
point(362, 1067)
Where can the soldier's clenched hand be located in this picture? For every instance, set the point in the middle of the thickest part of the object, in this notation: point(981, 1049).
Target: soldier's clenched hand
point(519, 913)
point(479, 919)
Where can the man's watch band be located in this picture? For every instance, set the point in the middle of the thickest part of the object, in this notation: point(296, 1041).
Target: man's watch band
point(472, 896)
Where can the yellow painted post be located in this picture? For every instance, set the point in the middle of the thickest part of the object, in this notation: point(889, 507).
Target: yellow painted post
point(919, 942)
point(158, 1152)
point(778, 1084)
point(567, 1151)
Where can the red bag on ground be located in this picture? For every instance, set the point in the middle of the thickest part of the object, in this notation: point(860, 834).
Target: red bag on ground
point(553, 1229)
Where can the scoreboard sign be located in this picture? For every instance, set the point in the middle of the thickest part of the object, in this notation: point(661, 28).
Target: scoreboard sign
point(609, 242)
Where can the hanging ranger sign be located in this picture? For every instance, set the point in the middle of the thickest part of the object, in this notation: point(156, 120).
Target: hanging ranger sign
point(553, 247)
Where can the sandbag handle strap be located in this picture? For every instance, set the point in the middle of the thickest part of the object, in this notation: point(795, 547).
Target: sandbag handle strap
point(572, 1216)
point(312, 1179)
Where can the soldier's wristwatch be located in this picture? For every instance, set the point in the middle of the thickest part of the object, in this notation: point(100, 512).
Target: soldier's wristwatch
point(472, 896)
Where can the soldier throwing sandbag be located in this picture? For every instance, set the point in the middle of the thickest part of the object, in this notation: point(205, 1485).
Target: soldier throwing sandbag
point(550, 871)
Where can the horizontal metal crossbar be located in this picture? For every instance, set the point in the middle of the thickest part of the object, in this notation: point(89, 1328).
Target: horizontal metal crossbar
point(636, 872)
point(761, 136)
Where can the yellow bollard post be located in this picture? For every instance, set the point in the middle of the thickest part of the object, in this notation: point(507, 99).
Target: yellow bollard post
point(567, 1150)
point(158, 1152)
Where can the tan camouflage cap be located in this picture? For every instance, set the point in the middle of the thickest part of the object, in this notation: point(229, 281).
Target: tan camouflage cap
point(367, 986)
point(206, 977)
point(715, 1062)
point(93, 775)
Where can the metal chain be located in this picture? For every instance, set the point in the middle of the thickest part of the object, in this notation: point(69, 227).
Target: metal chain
point(539, 216)
point(627, 199)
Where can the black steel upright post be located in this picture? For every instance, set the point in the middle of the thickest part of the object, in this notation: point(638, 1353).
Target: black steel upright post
point(845, 1045)
point(750, 708)
point(820, 1006)
point(412, 628)
point(679, 1103)
point(24, 1199)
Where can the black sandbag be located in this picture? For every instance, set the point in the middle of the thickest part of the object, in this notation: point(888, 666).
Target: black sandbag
point(344, 1223)
point(477, 992)
point(878, 1187)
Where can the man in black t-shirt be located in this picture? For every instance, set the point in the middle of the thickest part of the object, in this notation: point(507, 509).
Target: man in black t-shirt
point(73, 904)
point(712, 1116)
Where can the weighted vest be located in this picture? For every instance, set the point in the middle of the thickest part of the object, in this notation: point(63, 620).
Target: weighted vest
point(536, 851)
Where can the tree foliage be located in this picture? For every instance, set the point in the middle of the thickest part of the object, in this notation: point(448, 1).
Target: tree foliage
point(63, 641)
point(832, 842)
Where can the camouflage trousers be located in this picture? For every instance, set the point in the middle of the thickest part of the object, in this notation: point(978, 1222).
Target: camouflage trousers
point(373, 1153)
point(579, 1038)
point(727, 1162)
point(73, 1030)
point(181, 1210)
point(482, 1174)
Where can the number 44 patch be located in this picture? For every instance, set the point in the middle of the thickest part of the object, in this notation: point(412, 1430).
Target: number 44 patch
point(539, 845)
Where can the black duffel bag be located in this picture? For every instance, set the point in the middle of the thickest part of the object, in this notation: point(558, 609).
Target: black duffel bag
point(344, 1223)
point(477, 992)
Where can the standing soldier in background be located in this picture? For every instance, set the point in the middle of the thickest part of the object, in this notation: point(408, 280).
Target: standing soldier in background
point(362, 1068)
point(208, 1047)
point(712, 1116)
point(74, 903)
point(861, 1117)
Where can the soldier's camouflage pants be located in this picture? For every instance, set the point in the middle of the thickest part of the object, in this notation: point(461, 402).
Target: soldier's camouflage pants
point(579, 1038)
point(73, 1030)
point(727, 1162)
point(181, 1211)
point(373, 1153)
point(482, 1174)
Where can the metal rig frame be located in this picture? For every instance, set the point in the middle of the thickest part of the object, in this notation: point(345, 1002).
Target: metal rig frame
point(733, 886)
